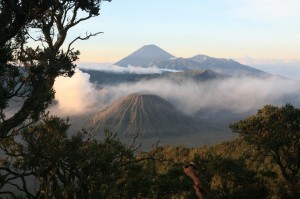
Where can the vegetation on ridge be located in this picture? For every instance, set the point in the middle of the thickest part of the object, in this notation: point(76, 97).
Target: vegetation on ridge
point(83, 167)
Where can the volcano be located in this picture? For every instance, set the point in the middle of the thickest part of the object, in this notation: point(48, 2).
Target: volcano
point(145, 56)
point(154, 56)
point(147, 115)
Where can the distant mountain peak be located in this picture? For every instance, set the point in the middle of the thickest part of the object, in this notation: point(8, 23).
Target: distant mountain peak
point(144, 56)
point(199, 58)
point(152, 55)
point(150, 46)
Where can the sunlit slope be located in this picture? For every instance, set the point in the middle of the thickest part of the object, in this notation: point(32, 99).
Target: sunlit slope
point(146, 114)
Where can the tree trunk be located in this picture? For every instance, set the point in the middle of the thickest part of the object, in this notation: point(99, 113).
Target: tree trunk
point(201, 189)
point(294, 190)
point(39, 96)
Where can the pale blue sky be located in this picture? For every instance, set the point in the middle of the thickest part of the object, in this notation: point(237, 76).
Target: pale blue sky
point(218, 28)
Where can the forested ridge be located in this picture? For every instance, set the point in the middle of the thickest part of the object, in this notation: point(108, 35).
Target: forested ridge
point(81, 166)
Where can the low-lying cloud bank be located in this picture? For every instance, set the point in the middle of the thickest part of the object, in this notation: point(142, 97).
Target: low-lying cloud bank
point(236, 94)
point(77, 95)
point(119, 69)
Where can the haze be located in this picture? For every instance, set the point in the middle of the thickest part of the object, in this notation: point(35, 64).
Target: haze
point(260, 29)
point(77, 95)
point(262, 34)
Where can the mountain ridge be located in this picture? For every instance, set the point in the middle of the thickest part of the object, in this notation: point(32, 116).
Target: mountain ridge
point(152, 55)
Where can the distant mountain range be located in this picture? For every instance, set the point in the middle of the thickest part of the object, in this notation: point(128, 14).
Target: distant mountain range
point(101, 78)
point(152, 55)
point(196, 75)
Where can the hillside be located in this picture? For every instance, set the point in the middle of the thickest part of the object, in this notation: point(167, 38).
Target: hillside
point(99, 78)
point(196, 75)
point(226, 66)
point(146, 114)
point(108, 78)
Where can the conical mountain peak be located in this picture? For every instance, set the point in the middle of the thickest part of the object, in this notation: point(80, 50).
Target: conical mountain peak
point(144, 56)
point(146, 114)
point(152, 55)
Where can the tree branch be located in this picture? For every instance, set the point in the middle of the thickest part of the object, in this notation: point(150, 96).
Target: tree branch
point(88, 35)
point(8, 192)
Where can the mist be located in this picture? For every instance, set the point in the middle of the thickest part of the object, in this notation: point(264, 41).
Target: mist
point(238, 95)
point(108, 67)
point(77, 95)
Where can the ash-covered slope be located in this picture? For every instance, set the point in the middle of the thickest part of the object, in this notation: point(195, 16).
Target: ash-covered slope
point(146, 114)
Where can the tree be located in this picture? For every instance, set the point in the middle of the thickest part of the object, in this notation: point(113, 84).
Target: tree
point(202, 190)
point(275, 132)
point(75, 167)
point(15, 14)
point(27, 74)
point(172, 182)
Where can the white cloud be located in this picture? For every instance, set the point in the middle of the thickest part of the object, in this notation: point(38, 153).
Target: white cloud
point(236, 94)
point(119, 69)
point(77, 95)
point(268, 9)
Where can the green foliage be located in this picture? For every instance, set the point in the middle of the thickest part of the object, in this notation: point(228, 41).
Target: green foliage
point(75, 167)
point(230, 178)
point(172, 183)
point(82, 167)
point(231, 169)
point(275, 132)
point(271, 128)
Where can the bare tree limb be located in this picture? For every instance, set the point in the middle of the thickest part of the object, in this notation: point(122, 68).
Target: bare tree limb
point(88, 35)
